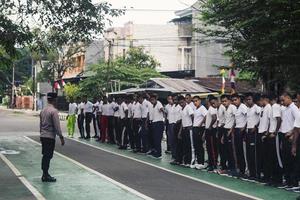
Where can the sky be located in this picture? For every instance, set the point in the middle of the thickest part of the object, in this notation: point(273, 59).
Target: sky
point(148, 11)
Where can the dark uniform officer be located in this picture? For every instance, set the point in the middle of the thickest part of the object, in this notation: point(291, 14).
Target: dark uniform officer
point(49, 128)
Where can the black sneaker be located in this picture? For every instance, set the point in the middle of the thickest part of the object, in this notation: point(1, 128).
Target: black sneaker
point(174, 162)
point(48, 179)
point(95, 136)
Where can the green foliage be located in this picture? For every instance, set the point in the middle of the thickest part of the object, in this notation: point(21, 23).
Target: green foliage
point(262, 36)
point(127, 75)
point(71, 91)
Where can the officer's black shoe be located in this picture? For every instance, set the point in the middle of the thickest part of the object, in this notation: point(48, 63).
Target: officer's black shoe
point(48, 179)
point(95, 136)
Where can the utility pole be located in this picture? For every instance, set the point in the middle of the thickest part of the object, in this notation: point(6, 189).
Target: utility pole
point(33, 69)
point(13, 87)
point(109, 63)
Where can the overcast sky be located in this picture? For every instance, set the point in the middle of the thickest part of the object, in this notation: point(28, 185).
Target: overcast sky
point(148, 11)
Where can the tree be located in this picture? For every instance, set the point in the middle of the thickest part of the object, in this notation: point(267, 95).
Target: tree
point(262, 37)
point(71, 91)
point(127, 75)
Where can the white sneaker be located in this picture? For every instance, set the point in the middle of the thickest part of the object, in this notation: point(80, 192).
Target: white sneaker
point(192, 166)
point(200, 166)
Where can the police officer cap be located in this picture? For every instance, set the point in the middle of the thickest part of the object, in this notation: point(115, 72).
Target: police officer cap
point(51, 95)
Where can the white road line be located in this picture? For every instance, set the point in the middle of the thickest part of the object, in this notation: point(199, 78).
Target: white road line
point(171, 171)
point(32, 189)
point(124, 187)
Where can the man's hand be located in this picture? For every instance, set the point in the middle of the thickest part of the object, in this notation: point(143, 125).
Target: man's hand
point(62, 141)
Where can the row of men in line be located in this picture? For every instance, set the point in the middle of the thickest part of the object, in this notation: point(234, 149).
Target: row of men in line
point(260, 136)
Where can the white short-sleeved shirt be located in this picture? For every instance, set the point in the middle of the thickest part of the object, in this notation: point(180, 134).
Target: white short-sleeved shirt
point(241, 116)
point(253, 116)
point(178, 110)
point(186, 114)
point(158, 115)
point(105, 109)
point(264, 119)
point(289, 114)
point(136, 110)
point(145, 108)
point(117, 110)
point(88, 107)
point(199, 114)
point(297, 121)
point(171, 113)
point(110, 107)
point(221, 115)
point(276, 112)
point(192, 105)
point(123, 108)
point(72, 108)
point(80, 107)
point(209, 117)
point(230, 116)
point(130, 111)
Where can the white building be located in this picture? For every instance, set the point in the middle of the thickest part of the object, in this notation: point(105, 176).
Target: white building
point(160, 41)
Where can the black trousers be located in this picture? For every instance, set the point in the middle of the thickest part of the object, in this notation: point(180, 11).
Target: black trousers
point(80, 122)
point(211, 146)
point(48, 146)
point(239, 149)
point(145, 135)
point(111, 136)
point(124, 123)
point(179, 145)
point(118, 130)
point(95, 124)
point(150, 136)
point(229, 148)
point(130, 133)
point(250, 151)
point(88, 120)
point(137, 123)
point(187, 145)
point(198, 144)
point(296, 169)
point(222, 147)
point(259, 154)
point(158, 129)
point(288, 161)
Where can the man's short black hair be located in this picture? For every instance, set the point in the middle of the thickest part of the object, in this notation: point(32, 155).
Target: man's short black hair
point(225, 96)
point(286, 94)
point(213, 98)
point(188, 95)
point(180, 98)
point(235, 95)
point(196, 97)
point(265, 96)
point(154, 96)
point(249, 94)
point(272, 97)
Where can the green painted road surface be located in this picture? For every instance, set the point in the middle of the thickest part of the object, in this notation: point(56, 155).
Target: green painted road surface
point(73, 181)
point(254, 189)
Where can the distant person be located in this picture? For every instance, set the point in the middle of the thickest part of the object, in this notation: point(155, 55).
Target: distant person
point(71, 118)
point(49, 128)
point(80, 118)
point(88, 113)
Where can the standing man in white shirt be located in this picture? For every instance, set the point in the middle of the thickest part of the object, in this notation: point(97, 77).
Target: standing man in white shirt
point(296, 150)
point(88, 113)
point(137, 125)
point(221, 133)
point(253, 114)
point(228, 137)
point(263, 130)
point(157, 125)
point(240, 132)
point(187, 115)
point(104, 120)
point(95, 121)
point(145, 119)
point(289, 116)
point(130, 122)
point(123, 123)
point(71, 118)
point(170, 110)
point(117, 120)
point(110, 115)
point(80, 118)
point(211, 134)
point(198, 131)
point(189, 101)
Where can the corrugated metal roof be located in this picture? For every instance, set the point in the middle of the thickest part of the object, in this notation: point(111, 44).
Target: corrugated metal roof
point(180, 85)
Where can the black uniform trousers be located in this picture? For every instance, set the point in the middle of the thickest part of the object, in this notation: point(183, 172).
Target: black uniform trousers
point(124, 132)
point(239, 149)
point(88, 120)
point(80, 122)
point(48, 146)
point(187, 145)
point(198, 144)
point(211, 147)
point(260, 154)
point(118, 130)
point(111, 136)
point(137, 127)
point(250, 151)
point(145, 135)
point(296, 168)
point(158, 129)
point(95, 124)
point(229, 148)
point(288, 161)
point(178, 141)
point(223, 147)
point(130, 133)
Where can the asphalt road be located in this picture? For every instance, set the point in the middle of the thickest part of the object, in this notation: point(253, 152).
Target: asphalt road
point(153, 182)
